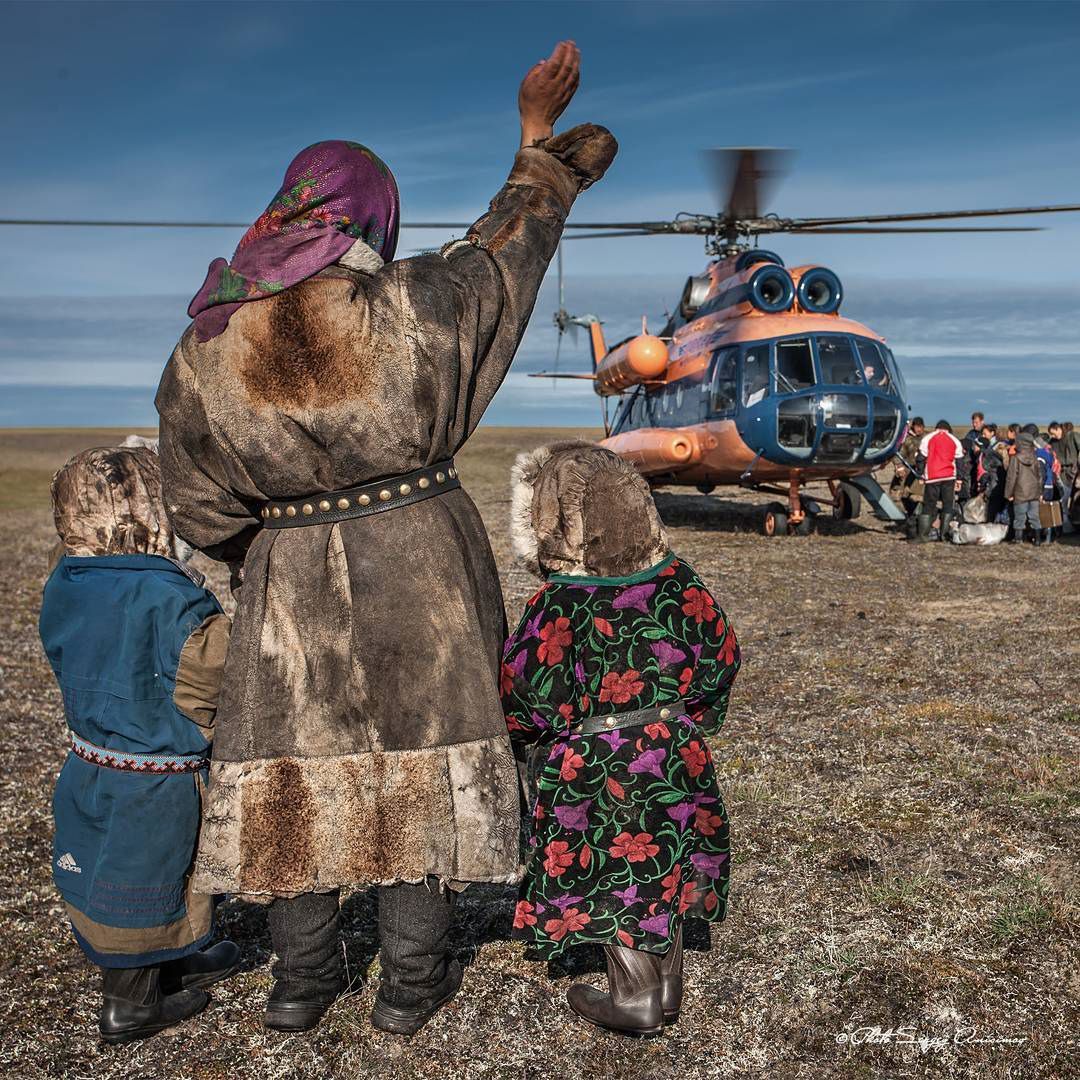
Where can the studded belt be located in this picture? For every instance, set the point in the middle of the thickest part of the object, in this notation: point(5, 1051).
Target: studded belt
point(376, 498)
point(635, 718)
point(144, 763)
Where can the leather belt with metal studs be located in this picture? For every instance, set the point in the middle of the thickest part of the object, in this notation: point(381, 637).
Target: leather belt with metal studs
point(388, 494)
point(635, 718)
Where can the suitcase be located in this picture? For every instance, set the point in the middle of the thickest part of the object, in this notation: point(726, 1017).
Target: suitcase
point(1049, 514)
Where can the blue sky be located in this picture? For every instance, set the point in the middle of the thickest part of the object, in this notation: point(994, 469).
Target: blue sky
point(193, 110)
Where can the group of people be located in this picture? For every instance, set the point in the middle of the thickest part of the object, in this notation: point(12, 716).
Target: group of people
point(364, 720)
point(1017, 478)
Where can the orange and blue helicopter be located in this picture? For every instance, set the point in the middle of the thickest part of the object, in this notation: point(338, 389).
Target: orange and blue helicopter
point(757, 379)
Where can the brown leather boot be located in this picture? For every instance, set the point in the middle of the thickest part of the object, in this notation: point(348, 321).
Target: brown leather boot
point(671, 980)
point(632, 1004)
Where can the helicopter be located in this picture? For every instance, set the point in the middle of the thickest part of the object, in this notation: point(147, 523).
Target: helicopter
point(757, 379)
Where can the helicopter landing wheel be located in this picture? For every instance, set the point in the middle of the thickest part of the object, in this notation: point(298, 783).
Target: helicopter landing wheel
point(775, 522)
point(805, 527)
point(846, 505)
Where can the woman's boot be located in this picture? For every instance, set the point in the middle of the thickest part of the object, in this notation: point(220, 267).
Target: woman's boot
point(418, 976)
point(632, 1004)
point(133, 1006)
point(308, 972)
point(671, 982)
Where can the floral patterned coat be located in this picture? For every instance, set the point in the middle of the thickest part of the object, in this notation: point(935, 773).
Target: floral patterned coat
point(629, 833)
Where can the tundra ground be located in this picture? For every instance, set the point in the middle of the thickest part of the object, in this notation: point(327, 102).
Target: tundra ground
point(900, 764)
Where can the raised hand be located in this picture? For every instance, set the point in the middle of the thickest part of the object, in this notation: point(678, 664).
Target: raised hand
point(546, 91)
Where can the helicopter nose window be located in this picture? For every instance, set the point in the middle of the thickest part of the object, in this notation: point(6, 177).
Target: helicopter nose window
point(873, 363)
point(886, 425)
point(838, 361)
point(755, 379)
point(794, 365)
point(796, 425)
point(845, 410)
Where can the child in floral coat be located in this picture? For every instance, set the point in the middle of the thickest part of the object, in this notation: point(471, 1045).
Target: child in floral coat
point(620, 667)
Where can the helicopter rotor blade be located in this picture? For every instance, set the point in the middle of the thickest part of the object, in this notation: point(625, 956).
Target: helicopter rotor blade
point(933, 215)
point(620, 232)
point(852, 229)
point(745, 177)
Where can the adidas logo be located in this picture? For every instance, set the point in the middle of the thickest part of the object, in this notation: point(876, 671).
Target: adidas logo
point(67, 862)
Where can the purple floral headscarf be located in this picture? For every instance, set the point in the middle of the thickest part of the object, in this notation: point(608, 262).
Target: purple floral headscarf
point(334, 193)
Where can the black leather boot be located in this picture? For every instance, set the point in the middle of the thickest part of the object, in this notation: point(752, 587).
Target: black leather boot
point(633, 1003)
point(308, 972)
point(133, 1006)
point(671, 981)
point(202, 969)
point(418, 977)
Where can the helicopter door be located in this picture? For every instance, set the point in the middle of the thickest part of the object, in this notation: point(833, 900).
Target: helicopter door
point(722, 396)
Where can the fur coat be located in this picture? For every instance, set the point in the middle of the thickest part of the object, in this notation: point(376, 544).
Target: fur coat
point(360, 737)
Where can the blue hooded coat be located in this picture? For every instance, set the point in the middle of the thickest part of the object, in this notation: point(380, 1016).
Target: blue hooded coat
point(128, 800)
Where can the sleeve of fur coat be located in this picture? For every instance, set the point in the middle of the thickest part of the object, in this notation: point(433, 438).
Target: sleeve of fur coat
point(197, 482)
point(478, 296)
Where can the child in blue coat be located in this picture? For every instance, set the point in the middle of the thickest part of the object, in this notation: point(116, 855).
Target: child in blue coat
point(137, 646)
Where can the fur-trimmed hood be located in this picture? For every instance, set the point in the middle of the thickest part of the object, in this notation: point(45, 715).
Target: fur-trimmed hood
point(107, 501)
point(580, 509)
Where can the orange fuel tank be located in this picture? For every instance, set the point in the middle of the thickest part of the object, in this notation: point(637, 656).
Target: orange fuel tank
point(639, 360)
point(657, 450)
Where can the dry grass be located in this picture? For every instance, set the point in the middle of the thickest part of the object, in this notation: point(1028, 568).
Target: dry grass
point(901, 768)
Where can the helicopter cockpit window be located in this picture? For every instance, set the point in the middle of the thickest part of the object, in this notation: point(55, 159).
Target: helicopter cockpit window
point(837, 360)
point(755, 379)
point(723, 380)
point(873, 363)
point(794, 366)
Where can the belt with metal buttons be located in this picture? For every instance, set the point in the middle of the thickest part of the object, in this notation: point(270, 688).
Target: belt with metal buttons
point(636, 718)
point(376, 498)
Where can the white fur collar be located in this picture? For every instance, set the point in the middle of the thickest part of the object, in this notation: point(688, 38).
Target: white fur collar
point(522, 480)
point(362, 258)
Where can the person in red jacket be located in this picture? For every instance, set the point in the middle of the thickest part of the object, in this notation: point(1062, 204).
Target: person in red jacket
point(941, 450)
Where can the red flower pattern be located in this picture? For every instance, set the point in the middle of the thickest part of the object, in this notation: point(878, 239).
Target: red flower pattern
point(694, 756)
point(523, 915)
point(634, 848)
point(559, 857)
point(571, 921)
point(620, 687)
point(698, 604)
point(555, 637)
point(571, 762)
point(671, 883)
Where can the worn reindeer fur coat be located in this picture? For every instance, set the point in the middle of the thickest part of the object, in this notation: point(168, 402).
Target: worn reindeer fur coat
point(360, 737)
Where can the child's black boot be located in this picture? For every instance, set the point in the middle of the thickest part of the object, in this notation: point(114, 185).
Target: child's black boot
point(201, 969)
point(133, 1006)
